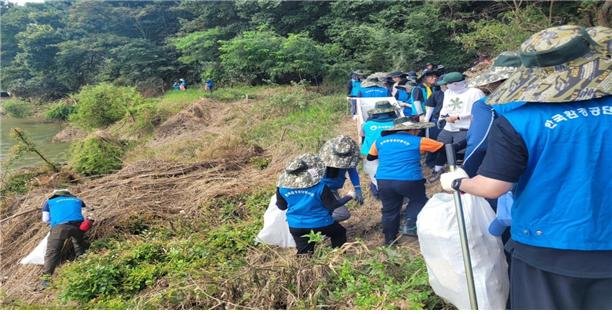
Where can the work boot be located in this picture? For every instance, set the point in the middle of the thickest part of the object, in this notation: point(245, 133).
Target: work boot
point(409, 228)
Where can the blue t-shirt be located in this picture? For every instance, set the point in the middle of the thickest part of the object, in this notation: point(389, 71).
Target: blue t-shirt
point(373, 91)
point(63, 209)
point(372, 130)
point(399, 156)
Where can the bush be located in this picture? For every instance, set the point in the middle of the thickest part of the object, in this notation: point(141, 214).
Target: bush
point(96, 155)
point(17, 108)
point(60, 111)
point(103, 104)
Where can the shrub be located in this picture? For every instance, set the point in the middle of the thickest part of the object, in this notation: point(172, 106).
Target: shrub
point(17, 108)
point(96, 155)
point(103, 104)
point(60, 111)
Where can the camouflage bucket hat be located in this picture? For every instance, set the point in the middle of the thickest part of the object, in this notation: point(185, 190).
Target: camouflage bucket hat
point(302, 172)
point(383, 106)
point(560, 65)
point(60, 192)
point(603, 37)
point(502, 68)
point(375, 79)
point(340, 152)
point(404, 124)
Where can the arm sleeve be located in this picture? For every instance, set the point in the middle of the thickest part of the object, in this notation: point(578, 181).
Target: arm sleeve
point(428, 110)
point(45, 217)
point(354, 176)
point(329, 199)
point(506, 157)
point(429, 145)
point(45, 206)
point(281, 203)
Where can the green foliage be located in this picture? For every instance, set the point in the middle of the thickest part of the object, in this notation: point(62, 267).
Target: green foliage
point(16, 184)
point(17, 108)
point(299, 58)
point(103, 104)
point(60, 111)
point(96, 155)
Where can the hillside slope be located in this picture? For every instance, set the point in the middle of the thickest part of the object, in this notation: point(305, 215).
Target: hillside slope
point(175, 227)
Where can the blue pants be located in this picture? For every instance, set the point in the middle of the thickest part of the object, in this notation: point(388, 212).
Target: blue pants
point(392, 194)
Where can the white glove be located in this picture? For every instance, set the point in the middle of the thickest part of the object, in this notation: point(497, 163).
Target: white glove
point(422, 119)
point(446, 179)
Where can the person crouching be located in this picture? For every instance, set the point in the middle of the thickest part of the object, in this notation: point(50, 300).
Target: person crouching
point(399, 174)
point(309, 202)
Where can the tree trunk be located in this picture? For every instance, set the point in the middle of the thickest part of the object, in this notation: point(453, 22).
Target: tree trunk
point(603, 14)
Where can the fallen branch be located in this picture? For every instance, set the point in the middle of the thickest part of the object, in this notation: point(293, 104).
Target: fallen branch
point(19, 214)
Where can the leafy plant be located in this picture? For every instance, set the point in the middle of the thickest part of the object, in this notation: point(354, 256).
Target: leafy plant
point(96, 155)
point(17, 108)
point(60, 110)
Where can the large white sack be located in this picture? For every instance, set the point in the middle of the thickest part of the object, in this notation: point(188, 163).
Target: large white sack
point(441, 248)
point(275, 230)
point(37, 256)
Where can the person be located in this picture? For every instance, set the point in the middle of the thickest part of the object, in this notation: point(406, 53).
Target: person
point(210, 85)
point(380, 118)
point(422, 91)
point(341, 156)
point(309, 202)
point(374, 86)
point(554, 151)
point(482, 113)
point(182, 84)
point(353, 86)
point(433, 105)
point(175, 85)
point(63, 212)
point(456, 110)
point(399, 174)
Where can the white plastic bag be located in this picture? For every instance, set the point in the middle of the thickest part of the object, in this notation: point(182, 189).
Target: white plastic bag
point(275, 230)
point(441, 248)
point(37, 256)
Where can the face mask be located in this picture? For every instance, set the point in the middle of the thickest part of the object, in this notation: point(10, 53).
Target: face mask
point(457, 86)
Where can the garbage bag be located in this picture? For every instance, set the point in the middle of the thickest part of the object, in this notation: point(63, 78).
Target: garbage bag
point(441, 248)
point(37, 256)
point(275, 230)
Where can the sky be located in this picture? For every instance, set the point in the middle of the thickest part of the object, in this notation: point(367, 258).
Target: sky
point(22, 2)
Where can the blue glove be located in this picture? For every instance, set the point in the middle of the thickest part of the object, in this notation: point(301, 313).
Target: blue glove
point(359, 196)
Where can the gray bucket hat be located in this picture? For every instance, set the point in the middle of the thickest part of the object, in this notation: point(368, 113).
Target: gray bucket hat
point(340, 152)
point(502, 68)
point(405, 124)
point(60, 192)
point(302, 172)
point(375, 79)
point(382, 106)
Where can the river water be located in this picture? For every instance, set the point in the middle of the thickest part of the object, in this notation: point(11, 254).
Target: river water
point(40, 132)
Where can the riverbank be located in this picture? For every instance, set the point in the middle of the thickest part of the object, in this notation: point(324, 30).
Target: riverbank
point(175, 225)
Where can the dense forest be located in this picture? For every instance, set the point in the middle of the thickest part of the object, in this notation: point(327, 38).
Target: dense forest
point(54, 48)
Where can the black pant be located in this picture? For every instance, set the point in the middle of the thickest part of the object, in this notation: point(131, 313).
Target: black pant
point(535, 289)
point(335, 232)
point(392, 194)
point(58, 235)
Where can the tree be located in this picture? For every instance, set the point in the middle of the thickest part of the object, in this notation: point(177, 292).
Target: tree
point(299, 58)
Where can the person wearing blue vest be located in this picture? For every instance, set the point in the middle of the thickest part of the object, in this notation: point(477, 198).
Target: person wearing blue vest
point(374, 86)
point(353, 86)
point(399, 174)
point(309, 202)
point(380, 118)
point(341, 156)
point(63, 212)
point(423, 90)
point(554, 152)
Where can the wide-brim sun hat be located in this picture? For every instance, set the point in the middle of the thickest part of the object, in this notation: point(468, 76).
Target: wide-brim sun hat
point(560, 64)
point(453, 77)
point(60, 192)
point(405, 124)
point(504, 65)
point(381, 106)
point(603, 37)
point(302, 172)
point(375, 79)
point(428, 72)
point(340, 152)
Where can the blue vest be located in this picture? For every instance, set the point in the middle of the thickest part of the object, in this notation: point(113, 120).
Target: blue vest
point(372, 130)
point(63, 209)
point(373, 91)
point(305, 208)
point(399, 157)
point(563, 200)
point(355, 86)
point(402, 95)
point(414, 112)
point(337, 182)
